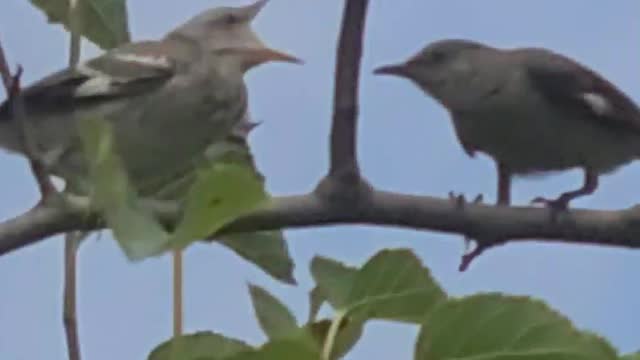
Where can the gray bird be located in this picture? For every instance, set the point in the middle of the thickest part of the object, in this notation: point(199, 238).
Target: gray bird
point(532, 110)
point(167, 100)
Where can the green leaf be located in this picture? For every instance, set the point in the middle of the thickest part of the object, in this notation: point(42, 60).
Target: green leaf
point(281, 349)
point(392, 285)
point(634, 356)
point(349, 332)
point(267, 249)
point(221, 193)
point(499, 327)
point(201, 345)
point(232, 150)
point(176, 185)
point(104, 22)
point(316, 299)
point(139, 234)
point(275, 319)
point(334, 282)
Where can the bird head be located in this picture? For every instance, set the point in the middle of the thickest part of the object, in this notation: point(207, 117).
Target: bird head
point(440, 69)
point(226, 32)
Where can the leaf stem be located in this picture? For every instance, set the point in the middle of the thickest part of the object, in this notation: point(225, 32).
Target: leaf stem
point(332, 334)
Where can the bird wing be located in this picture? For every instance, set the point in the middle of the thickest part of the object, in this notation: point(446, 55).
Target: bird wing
point(129, 70)
point(575, 88)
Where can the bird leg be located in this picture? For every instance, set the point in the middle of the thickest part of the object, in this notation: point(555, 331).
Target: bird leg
point(562, 202)
point(504, 185)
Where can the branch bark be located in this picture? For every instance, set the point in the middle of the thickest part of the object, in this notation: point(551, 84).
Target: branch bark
point(482, 222)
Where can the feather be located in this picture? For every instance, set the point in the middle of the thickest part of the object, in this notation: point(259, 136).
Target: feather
point(130, 70)
point(575, 88)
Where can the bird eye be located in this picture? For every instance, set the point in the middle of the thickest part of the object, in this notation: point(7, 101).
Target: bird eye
point(437, 57)
point(230, 19)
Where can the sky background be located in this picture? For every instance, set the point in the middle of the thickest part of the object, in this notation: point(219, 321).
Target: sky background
point(406, 144)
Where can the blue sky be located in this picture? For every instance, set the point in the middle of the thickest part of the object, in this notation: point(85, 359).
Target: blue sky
point(406, 144)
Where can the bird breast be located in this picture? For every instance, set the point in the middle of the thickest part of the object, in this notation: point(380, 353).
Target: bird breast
point(200, 114)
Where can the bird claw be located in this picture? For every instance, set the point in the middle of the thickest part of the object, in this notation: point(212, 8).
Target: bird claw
point(459, 200)
point(558, 205)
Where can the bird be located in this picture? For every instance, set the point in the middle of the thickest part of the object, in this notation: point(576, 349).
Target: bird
point(532, 110)
point(167, 99)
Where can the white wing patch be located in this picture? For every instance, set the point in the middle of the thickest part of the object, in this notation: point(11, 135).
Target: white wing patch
point(102, 83)
point(99, 83)
point(598, 103)
point(95, 86)
point(154, 61)
point(89, 71)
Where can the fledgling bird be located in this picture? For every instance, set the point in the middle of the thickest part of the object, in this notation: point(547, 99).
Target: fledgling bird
point(530, 109)
point(167, 100)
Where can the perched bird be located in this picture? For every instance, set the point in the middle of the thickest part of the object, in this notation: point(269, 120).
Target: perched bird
point(167, 100)
point(530, 109)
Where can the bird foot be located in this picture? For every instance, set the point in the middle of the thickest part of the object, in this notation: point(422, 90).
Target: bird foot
point(557, 206)
point(560, 204)
point(459, 200)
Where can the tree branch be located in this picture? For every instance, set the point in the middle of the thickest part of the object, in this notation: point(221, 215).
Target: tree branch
point(483, 222)
point(344, 161)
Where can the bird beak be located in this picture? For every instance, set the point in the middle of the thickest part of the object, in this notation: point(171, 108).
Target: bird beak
point(249, 12)
point(395, 69)
point(262, 55)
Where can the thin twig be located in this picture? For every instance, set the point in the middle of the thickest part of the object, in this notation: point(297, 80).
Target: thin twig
point(74, 49)
point(73, 239)
point(5, 72)
point(16, 105)
point(69, 313)
point(177, 293)
point(344, 161)
point(75, 24)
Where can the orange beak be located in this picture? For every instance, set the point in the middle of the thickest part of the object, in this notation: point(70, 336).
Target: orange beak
point(262, 55)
